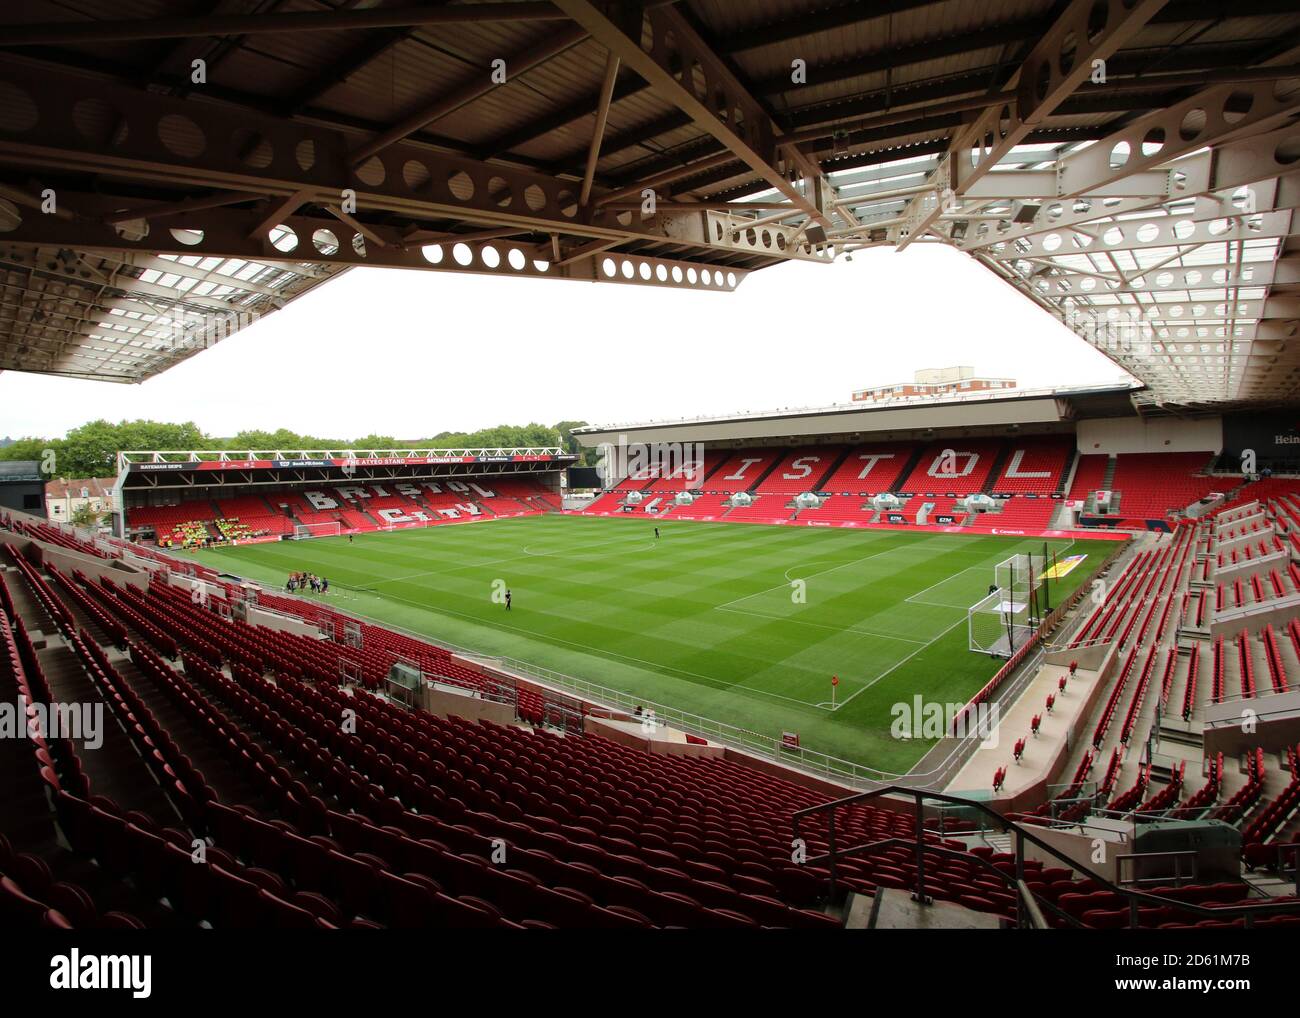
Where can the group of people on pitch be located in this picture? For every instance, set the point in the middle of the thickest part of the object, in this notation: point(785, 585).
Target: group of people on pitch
point(304, 581)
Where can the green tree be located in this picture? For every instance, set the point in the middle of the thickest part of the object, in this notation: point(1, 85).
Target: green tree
point(500, 436)
point(30, 448)
point(586, 457)
point(248, 440)
point(91, 450)
point(85, 516)
point(280, 439)
point(375, 442)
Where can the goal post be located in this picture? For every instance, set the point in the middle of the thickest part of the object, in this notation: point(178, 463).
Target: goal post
point(1020, 576)
point(304, 530)
point(1005, 618)
point(998, 625)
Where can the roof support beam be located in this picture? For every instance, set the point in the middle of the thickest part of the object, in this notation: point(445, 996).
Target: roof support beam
point(1243, 162)
point(598, 132)
point(709, 206)
point(225, 235)
point(1062, 59)
point(63, 33)
point(666, 177)
point(213, 201)
point(584, 251)
point(454, 189)
point(843, 15)
point(361, 228)
point(573, 112)
point(867, 63)
point(470, 89)
point(415, 238)
point(1207, 118)
point(977, 102)
point(1220, 277)
point(1156, 232)
point(894, 57)
point(279, 211)
point(745, 129)
point(368, 51)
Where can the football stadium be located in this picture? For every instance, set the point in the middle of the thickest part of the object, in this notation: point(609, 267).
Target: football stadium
point(956, 653)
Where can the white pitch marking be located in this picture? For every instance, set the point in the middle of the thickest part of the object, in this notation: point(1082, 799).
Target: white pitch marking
point(497, 561)
point(649, 665)
point(899, 664)
point(916, 598)
point(819, 625)
point(823, 572)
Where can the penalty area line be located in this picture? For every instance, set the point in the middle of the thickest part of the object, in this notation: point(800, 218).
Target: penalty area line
point(845, 702)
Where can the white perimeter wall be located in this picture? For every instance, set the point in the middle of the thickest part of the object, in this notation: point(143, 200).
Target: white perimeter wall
point(1167, 434)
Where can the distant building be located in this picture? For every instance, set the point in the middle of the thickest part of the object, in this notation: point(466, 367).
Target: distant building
point(932, 382)
point(64, 497)
point(21, 486)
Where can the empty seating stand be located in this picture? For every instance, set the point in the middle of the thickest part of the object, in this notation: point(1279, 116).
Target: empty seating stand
point(392, 823)
point(1153, 485)
point(1027, 475)
point(355, 508)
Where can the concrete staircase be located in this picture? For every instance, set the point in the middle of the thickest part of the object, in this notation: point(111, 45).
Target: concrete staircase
point(1090, 503)
point(893, 909)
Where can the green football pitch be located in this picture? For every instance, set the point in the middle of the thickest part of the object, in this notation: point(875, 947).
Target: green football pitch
point(741, 623)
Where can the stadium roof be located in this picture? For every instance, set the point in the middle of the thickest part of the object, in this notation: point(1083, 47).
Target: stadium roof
point(1127, 164)
point(994, 408)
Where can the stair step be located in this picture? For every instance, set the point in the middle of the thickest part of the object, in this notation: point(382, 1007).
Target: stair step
point(857, 911)
point(998, 842)
point(995, 471)
point(895, 910)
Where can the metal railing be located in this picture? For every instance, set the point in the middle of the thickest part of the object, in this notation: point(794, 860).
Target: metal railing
point(770, 747)
point(1133, 860)
point(1029, 912)
point(850, 773)
point(240, 458)
point(1291, 849)
point(811, 761)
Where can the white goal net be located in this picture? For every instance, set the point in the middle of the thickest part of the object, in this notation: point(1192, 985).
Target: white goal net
point(302, 530)
point(1004, 619)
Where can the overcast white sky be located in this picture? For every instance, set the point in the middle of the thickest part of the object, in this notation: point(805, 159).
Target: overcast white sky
point(411, 354)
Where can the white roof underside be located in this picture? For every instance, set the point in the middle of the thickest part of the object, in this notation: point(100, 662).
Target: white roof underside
point(123, 317)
